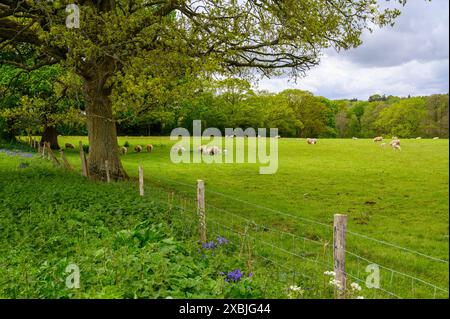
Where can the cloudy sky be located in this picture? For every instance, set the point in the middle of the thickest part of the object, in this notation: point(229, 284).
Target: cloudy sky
point(410, 58)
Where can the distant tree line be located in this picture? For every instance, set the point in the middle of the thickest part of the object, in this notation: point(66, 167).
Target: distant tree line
point(46, 102)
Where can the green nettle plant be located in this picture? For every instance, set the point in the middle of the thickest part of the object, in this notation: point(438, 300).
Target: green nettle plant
point(172, 39)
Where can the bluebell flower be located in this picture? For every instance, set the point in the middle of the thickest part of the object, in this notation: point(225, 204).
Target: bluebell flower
point(221, 240)
point(234, 275)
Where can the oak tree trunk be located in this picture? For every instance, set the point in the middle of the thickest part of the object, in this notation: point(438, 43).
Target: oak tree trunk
point(101, 129)
point(50, 136)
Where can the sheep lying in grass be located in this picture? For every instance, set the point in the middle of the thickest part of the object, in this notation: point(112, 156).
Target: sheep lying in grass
point(435, 138)
point(68, 145)
point(149, 148)
point(138, 149)
point(354, 138)
point(311, 141)
point(378, 139)
point(123, 150)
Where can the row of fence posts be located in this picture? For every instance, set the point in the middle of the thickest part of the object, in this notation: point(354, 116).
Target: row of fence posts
point(339, 222)
point(339, 234)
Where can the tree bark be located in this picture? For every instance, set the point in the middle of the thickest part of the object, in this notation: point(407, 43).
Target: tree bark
point(102, 132)
point(50, 136)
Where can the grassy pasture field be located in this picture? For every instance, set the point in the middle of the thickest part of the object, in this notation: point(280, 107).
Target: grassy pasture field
point(396, 202)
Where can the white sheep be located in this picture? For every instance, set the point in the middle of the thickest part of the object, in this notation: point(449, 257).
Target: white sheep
point(311, 141)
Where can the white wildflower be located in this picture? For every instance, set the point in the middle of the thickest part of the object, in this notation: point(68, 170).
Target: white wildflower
point(355, 286)
point(336, 283)
point(330, 273)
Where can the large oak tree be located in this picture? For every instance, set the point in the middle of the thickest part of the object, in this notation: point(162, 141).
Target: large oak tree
point(231, 36)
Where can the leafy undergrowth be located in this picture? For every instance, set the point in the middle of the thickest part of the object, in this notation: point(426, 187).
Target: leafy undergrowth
point(124, 246)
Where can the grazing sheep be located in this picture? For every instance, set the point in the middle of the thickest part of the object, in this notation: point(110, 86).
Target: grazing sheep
point(311, 141)
point(68, 145)
point(214, 150)
point(378, 139)
point(123, 150)
point(149, 148)
point(354, 138)
point(396, 144)
point(435, 138)
point(138, 149)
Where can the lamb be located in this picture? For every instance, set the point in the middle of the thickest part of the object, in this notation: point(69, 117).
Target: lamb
point(378, 139)
point(311, 141)
point(68, 145)
point(138, 149)
point(123, 150)
point(149, 148)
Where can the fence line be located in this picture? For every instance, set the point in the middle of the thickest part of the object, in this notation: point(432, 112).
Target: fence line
point(394, 245)
point(296, 236)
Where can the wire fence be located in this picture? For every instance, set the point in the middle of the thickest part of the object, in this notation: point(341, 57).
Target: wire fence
point(298, 250)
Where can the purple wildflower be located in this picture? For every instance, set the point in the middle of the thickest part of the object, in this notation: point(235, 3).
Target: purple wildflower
point(250, 274)
point(221, 240)
point(234, 275)
point(210, 245)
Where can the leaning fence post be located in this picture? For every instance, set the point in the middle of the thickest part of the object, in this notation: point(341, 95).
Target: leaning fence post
point(83, 160)
point(108, 178)
point(65, 161)
point(339, 232)
point(141, 181)
point(201, 209)
point(51, 155)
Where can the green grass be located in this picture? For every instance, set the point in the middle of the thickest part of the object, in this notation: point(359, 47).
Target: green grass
point(396, 197)
point(125, 246)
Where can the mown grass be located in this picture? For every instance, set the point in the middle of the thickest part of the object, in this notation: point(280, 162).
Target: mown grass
point(396, 197)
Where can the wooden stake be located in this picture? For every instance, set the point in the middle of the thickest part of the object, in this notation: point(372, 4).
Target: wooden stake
point(51, 155)
point(339, 232)
point(108, 178)
point(65, 161)
point(83, 161)
point(201, 209)
point(141, 181)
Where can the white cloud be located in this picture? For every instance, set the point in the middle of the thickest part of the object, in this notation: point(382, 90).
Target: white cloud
point(411, 58)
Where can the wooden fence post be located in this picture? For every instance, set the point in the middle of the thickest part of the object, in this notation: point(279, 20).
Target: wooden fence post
point(65, 161)
point(83, 160)
point(51, 155)
point(108, 178)
point(141, 181)
point(339, 232)
point(201, 209)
